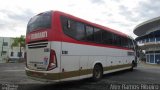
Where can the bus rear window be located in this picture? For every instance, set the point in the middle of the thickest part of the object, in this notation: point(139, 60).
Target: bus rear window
point(39, 21)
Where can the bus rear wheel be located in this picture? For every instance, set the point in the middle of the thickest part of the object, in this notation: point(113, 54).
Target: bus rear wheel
point(97, 72)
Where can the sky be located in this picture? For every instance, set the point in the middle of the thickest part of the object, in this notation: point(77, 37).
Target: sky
point(121, 15)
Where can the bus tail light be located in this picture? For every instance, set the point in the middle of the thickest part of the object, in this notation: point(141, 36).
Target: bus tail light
point(53, 60)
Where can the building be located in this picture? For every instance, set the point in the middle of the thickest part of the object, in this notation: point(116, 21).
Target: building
point(148, 39)
point(8, 53)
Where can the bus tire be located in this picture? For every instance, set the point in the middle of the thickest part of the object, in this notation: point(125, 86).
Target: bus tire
point(97, 72)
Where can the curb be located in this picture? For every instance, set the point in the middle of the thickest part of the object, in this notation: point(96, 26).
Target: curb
point(146, 64)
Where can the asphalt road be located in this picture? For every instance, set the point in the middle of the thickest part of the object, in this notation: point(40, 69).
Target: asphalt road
point(12, 77)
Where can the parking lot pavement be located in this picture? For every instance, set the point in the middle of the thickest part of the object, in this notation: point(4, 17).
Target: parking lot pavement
point(14, 74)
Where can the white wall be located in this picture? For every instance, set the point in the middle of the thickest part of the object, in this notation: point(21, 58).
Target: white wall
point(8, 49)
point(5, 48)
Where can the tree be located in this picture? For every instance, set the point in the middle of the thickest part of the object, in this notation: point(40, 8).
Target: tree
point(19, 42)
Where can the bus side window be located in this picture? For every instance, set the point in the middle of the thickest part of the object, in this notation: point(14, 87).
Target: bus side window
point(119, 41)
point(131, 44)
point(80, 31)
point(124, 42)
point(114, 40)
point(89, 33)
point(107, 38)
point(104, 37)
point(97, 35)
point(68, 26)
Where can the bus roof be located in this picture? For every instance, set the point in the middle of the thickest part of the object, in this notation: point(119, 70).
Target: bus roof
point(92, 24)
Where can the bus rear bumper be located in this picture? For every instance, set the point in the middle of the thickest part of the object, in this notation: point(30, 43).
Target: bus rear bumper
point(42, 76)
point(42, 81)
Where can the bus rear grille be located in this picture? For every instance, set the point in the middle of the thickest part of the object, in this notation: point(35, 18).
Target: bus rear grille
point(38, 45)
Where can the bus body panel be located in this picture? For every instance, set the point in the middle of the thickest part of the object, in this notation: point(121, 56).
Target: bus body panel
point(80, 59)
point(40, 60)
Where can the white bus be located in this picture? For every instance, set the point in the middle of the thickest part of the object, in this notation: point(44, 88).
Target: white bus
point(62, 47)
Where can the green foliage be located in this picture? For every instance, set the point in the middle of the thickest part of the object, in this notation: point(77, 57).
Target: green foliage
point(19, 41)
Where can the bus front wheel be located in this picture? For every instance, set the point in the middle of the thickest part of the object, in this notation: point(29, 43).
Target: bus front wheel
point(97, 72)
